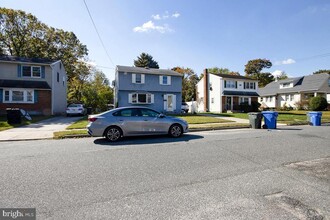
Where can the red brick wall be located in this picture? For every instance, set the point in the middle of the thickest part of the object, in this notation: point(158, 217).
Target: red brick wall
point(42, 107)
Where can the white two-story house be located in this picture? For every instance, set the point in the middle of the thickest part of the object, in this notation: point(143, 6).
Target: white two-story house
point(224, 92)
point(38, 86)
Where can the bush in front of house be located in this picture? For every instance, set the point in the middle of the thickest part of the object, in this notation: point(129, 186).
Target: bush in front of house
point(318, 103)
point(245, 107)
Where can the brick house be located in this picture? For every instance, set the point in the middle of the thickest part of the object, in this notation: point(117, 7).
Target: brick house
point(38, 86)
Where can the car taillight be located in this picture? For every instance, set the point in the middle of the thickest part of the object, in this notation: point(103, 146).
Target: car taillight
point(92, 119)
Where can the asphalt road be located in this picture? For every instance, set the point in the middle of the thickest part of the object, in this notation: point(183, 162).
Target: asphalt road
point(226, 174)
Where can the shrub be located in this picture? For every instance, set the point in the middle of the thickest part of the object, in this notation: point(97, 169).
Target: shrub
point(318, 103)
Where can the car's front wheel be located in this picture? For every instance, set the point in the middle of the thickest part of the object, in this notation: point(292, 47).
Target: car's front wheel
point(113, 134)
point(175, 130)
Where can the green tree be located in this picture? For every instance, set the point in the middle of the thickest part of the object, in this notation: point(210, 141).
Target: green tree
point(23, 35)
point(216, 70)
point(146, 60)
point(264, 79)
point(254, 67)
point(189, 82)
point(322, 71)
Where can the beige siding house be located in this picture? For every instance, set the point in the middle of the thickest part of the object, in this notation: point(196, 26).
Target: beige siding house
point(38, 86)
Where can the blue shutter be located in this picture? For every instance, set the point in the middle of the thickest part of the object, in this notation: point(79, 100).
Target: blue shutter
point(1, 95)
point(225, 84)
point(19, 70)
point(35, 96)
point(43, 72)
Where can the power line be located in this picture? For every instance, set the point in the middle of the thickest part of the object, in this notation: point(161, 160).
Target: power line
point(313, 57)
point(98, 34)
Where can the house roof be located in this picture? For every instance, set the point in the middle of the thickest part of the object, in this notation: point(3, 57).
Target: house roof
point(240, 93)
point(131, 69)
point(4, 83)
point(25, 60)
point(232, 76)
point(300, 84)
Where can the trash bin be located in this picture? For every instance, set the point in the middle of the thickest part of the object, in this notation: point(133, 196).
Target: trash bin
point(89, 110)
point(314, 118)
point(14, 116)
point(270, 119)
point(255, 119)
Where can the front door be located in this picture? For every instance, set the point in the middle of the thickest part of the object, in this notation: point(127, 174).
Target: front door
point(169, 102)
point(228, 103)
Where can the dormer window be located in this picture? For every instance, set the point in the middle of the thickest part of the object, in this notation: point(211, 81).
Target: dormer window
point(285, 85)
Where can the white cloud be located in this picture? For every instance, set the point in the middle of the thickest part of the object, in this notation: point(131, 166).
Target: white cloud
point(150, 26)
point(285, 62)
point(176, 15)
point(165, 16)
point(156, 17)
point(277, 73)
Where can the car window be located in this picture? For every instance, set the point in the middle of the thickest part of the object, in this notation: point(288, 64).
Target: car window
point(149, 113)
point(124, 112)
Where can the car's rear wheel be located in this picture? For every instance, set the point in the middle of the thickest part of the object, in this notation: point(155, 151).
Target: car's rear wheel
point(113, 134)
point(175, 130)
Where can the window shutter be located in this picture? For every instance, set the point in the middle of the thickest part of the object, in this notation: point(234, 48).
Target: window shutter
point(152, 98)
point(168, 80)
point(161, 80)
point(165, 102)
point(36, 96)
point(174, 102)
point(19, 71)
point(1, 95)
point(133, 78)
point(43, 72)
point(236, 84)
point(142, 78)
point(225, 83)
point(244, 85)
point(254, 85)
point(130, 98)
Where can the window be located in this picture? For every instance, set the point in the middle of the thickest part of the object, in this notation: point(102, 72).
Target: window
point(31, 71)
point(244, 100)
point(165, 80)
point(18, 96)
point(249, 85)
point(212, 100)
point(137, 78)
point(286, 85)
point(286, 97)
point(141, 98)
point(269, 99)
point(230, 84)
point(328, 82)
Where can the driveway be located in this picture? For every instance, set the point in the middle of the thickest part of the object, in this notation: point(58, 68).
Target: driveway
point(41, 130)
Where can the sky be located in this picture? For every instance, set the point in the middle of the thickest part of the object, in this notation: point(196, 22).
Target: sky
point(293, 34)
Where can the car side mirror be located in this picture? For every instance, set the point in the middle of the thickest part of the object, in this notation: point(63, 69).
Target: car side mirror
point(161, 115)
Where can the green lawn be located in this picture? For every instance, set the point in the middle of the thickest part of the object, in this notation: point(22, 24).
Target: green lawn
point(5, 126)
point(197, 119)
point(80, 124)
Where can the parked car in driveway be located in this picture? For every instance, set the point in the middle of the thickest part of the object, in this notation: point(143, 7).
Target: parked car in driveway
point(184, 107)
point(76, 109)
point(134, 121)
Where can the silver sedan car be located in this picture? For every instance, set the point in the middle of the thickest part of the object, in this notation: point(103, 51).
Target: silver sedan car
point(134, 121)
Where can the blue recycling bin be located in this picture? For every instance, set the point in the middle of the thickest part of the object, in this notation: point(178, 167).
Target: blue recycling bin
point(315, 118)
point(270, 119)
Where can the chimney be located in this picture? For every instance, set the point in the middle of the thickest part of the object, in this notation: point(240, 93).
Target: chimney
point(206, 90)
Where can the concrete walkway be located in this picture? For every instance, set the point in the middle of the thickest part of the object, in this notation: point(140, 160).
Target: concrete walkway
point(41, 130)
